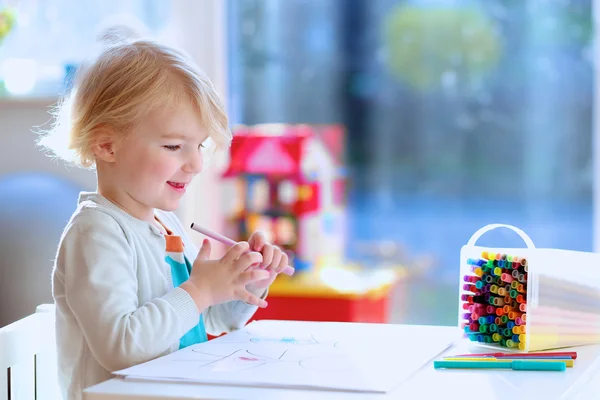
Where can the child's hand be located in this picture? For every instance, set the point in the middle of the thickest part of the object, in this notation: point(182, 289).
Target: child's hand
point(218, 281)
point(274, 260)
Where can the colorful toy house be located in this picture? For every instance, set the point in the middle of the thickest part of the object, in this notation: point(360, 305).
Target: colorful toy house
point(288, 181)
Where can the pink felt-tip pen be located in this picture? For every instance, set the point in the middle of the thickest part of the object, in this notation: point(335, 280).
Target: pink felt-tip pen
point(230, 242)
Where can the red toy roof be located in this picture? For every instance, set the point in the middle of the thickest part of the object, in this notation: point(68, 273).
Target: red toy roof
point(276, 150)
point(266, 155)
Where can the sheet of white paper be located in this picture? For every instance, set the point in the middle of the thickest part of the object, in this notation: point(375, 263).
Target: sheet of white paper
point(338, 356)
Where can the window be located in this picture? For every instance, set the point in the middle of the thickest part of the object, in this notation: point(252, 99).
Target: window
point(458, 114)
point(50, 37)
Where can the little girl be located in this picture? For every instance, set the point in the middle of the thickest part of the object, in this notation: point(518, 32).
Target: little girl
point(129, 285)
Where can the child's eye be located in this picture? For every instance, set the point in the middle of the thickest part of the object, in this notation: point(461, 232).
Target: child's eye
point(172, 147)
point(201, 146)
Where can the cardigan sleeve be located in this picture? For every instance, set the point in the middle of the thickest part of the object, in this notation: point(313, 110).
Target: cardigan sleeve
point(101, 290)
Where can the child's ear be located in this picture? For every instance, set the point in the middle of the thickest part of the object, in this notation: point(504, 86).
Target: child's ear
point(104, 152)
point(103, 148)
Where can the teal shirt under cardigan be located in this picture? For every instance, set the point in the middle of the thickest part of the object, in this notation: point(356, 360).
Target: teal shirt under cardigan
point(180, 272)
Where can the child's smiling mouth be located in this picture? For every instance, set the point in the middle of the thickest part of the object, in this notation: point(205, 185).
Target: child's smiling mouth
point(178, 186)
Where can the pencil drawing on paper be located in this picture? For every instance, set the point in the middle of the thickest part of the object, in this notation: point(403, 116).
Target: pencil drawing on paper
point(252, 353)
point(307, 340)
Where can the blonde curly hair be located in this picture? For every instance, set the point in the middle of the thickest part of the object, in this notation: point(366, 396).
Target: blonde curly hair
point(128, 80)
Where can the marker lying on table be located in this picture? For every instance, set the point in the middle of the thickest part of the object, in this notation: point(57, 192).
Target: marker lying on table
point(568, 362)
point(571, 354)
point(225, 240)
point(517, 365)
point(515, 357)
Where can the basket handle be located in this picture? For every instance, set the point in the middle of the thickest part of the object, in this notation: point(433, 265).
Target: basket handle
point(490, 227)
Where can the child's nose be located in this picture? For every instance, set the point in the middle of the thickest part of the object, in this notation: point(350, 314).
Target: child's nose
point(194, 165)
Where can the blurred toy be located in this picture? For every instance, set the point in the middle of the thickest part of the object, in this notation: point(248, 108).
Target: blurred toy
point(8, 18)
point(288, 181)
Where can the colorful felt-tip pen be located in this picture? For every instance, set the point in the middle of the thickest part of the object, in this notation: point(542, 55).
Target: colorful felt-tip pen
point(517, 365)
point(571, 354)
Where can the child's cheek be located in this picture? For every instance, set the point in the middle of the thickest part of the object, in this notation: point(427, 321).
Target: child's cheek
point(161, 168)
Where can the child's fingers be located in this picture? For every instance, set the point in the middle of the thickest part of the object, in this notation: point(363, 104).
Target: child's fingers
point(204, 253)
point(253, 275)
point(283, 263)
point(235, 252)
point(252, 299)
point(277, 255)
point(257, 241)
point(267, 253)
point(248, 259)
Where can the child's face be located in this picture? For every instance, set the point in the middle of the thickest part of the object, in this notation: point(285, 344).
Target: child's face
point(155, 163)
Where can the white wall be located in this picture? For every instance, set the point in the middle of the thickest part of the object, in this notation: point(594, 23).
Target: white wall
point(18, 153)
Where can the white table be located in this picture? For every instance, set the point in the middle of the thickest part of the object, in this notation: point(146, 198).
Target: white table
point(580, 382)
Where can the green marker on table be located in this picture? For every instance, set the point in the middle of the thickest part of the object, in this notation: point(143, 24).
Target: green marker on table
point(517, 365)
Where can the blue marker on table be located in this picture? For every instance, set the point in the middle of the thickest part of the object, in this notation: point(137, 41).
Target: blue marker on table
point(517, 365)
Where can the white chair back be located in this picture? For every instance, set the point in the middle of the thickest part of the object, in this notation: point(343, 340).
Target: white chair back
point(28, 357)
